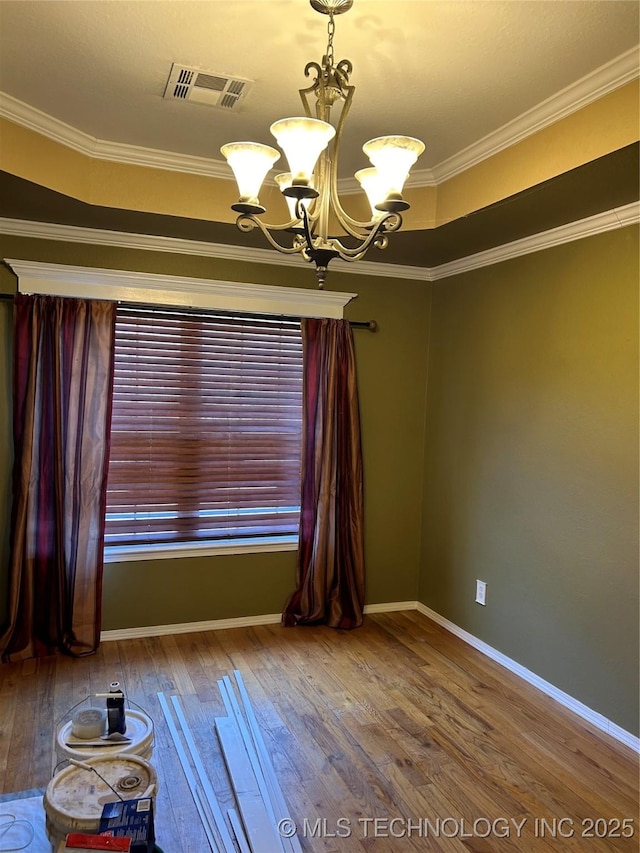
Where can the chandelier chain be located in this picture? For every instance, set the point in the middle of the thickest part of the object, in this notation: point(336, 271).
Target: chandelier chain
point(331, 28)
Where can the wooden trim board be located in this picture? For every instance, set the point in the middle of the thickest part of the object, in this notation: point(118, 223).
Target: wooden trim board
point(280, 806)
point(261, 833)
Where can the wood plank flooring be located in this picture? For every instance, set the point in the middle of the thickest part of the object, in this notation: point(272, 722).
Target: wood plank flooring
point(393, 737)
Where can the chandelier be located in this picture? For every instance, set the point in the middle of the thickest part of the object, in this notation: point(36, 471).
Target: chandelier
point(310, 187)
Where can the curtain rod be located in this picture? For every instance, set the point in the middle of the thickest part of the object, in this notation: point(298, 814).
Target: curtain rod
point(370, 325)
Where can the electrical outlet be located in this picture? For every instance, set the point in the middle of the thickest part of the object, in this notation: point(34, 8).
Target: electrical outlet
point(481, 592)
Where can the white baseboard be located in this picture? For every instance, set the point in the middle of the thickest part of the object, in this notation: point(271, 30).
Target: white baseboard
point(189, 627)
point(236, 622)
point(391, 607)
point(595, 718)
point(527, 675)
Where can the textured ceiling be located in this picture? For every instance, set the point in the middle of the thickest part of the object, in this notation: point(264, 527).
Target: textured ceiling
point(447, 72)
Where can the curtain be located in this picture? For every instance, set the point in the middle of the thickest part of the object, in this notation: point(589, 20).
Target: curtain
point(330, 575)
point(63, 378)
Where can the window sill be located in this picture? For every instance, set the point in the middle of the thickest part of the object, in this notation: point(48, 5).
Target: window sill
point(128, 553)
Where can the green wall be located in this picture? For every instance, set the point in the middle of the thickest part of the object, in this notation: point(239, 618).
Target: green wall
point(521, 471)
point(531, 465)
point(392, 378)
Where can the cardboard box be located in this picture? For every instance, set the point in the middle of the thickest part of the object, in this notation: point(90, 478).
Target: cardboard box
point(130, 819)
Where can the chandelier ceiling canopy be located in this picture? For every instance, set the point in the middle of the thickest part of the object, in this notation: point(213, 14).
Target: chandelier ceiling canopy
point(310, 187)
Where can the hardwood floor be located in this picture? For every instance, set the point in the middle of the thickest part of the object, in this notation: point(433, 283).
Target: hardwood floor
point(393, 737)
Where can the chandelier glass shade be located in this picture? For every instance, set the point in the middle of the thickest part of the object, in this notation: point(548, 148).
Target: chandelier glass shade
point(310, 187)
point(250, 162)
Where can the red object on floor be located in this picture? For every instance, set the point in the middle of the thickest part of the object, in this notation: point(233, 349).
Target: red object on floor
point(81, 843)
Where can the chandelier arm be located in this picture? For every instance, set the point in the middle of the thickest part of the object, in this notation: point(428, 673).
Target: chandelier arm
point(306, 93)
point(286, 226)
point(246, 222)
point(312, 212)
point(378, 237)
point(341, 76)
point(307, 226)
point(352, 226)
point(301, 212)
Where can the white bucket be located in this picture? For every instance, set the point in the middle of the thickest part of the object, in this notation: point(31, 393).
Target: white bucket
point(139, 730)
point(74, 798)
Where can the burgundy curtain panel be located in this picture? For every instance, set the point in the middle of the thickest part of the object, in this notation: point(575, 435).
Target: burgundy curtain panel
point(330, 580)
point(63, 381)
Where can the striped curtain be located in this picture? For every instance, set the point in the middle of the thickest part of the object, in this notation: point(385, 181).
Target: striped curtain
point(63, 378)
point(330, 569)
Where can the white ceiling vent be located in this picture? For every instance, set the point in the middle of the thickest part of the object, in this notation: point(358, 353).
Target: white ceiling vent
point(205, 87)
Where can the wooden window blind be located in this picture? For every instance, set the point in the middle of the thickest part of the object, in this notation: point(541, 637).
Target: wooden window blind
point(206, 427)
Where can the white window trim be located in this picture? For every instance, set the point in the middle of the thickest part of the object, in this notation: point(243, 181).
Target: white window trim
point(125, 554)
point(154, 289)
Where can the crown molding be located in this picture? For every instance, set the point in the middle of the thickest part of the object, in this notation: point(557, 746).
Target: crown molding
point(33, 119)
point(58, 131)
point(52, 128)
point(153, 158)
point(609, 220)
point(609, 77)
point(177, 245)
point(593, 86)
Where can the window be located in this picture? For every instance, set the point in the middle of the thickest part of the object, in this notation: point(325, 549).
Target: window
point(206, 429)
